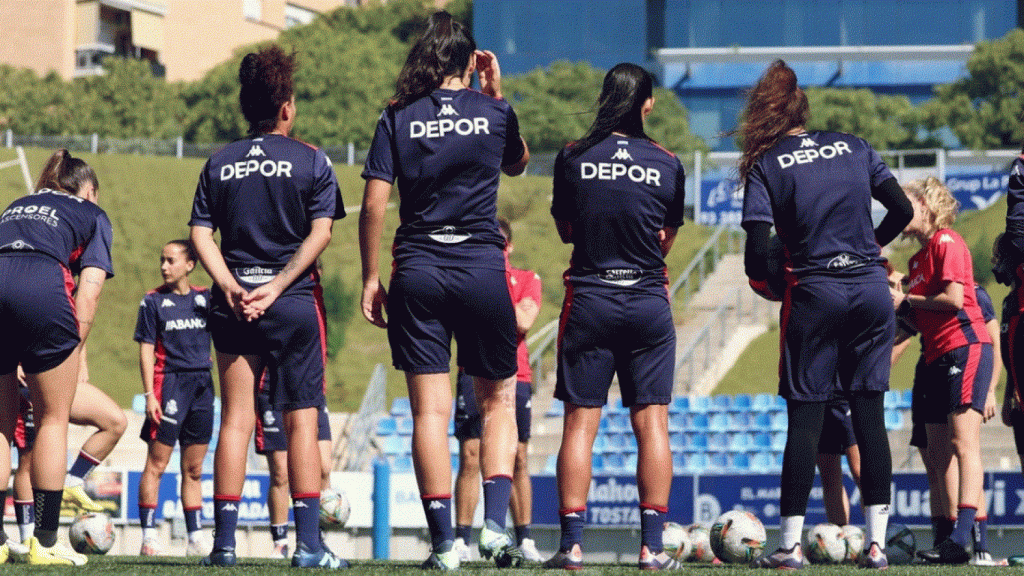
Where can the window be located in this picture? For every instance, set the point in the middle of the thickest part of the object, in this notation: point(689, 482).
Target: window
point(297, 15)
point(252, 9)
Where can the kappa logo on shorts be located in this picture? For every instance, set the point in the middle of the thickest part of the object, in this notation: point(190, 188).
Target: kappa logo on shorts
point(268, 418)
point(447, 110)
point(1016, 170)
point(171, 408)
point(166, 303)
point(622, 154)
point(954, 371)
point(256, 150)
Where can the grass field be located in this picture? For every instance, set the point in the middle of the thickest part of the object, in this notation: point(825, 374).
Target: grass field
point(116, 565)
point(149, 201)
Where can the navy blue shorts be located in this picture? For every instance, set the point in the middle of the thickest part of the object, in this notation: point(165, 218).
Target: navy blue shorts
point(837, 429)
point(186, 399)
point(37, 313)
point(467, 413)
point(918, 433)
point(609, 331)
point(1017, 423)
point(25, 427)
point(270, 435)
point(428, 305)
point(835, 333)
point(290, 337)
point(960, 377)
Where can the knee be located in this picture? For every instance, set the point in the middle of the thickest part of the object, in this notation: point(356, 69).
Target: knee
point(522, 465)
point(116, 424)
point(469, 459)
point(193, 471)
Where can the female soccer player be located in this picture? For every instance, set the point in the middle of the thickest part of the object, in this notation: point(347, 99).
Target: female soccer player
point(174, 360)
point(618, 199)
point(274, 200)
point(957, 351)
point(42, 236)
point(446, 145)
point(837, 320)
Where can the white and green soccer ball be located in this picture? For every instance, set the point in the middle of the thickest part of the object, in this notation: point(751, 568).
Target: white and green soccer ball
point(335, 508)
point(92, 533)
point(825, 544)
point(738, 537)
point(676, 540)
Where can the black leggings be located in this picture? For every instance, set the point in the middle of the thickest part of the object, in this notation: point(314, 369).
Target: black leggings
point(798, 464)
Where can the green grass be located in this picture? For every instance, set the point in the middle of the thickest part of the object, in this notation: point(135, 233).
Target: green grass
point(116, 565)
point(755, 370)
point(149, 200)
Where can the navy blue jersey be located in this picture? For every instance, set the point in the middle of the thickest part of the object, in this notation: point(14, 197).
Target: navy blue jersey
point(618, 195)
point(988, 310)
point(816, 189)
point(176, 326)
point(263, 194)
point(72, 230)
point(445, 152)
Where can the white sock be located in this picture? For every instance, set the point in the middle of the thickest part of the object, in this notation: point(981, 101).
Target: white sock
point(72, 481)
point(196, 536)
point(876, 521)
point(26, 531)
point(791, 529)
point(148, 533)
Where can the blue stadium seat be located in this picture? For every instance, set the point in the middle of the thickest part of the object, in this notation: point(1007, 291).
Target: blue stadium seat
point(780, 421)
point(404, 425)
point(455, 462)
point(696, 462)
point(741, 442)
point(778, 403)
point(614, 443)
point(741, 420)
point(618, 423)
point(400, 407)
point(892, 399)
point(615, 407)
point(718, 461)
point(778, 441)
point(552, 464)
point(679, 404)
point(453, 445)
point(762, 402)
point(699, 422)
point(386, 426)
point(678, 462)
point(394, 445)
point(762, 461)
point(893, 419)
point(597, 463)
point(600, 443)
point(677, 441)
point(698, 441)
point(718, 441)
point(700, 404)
point(677, 422)
point(762, 440)
point(613, 463)
point(908, 398)
point(721, 403)
point(719, 422)
point(602, 427)
point(557, 409)
point(402, 464)
point(740, 462)
point(629, 463)
point(630, 444)
point(778, 460)
point(451, 427)
point(762, 421)
point(742, 402)
point(139, 404)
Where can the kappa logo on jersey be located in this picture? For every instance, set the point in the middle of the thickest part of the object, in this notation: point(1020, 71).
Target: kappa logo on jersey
point(954, 371)
point(827, 152)
point(945, 238)
point(447, 110)
point(616, 170)
point(436, 505)
point(622, 154)
point(185, 324)
point(171, 407)
point(807, 142)
point(256, 150)
point(166, 303)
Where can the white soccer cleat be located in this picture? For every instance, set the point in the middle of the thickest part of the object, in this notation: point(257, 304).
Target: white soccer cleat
point(529, 549)
point(150, 547)
point(461, 550)
point(18, 552)
point(198, 548)
point(280, 550)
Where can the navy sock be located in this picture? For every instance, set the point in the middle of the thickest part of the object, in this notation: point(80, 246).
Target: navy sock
point(3, 498)
point(497, 492)
point(47, 515)
point(279, 532)
point(193, 519)
point(83, 465)
point(438, 509)
point(572, 527)
point(306, 509)
point(225, 521)
point(652, 522)
point(522, 533)
point(24, 511)
point(147, 515)
point(964, 522)
point(464, 532)
point(981, 533)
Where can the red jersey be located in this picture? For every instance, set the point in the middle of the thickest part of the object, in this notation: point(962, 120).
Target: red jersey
point(946, 258)
point(523, 284)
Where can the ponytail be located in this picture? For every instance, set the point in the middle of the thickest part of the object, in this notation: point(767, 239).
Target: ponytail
point(443, 50)
point(775, 106)
point(65, 173)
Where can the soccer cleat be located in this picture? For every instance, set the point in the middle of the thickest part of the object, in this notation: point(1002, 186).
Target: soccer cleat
point(225, 557)
point(529, 549)
point(58, 554)
point(150, 547)
point(659, 561)
point(783, 559)
point(980, 558)
point(323, 558)
point(947, 552)
point(873, 557)
point(496, 543)
point(280, 550)
point(461, 550)
point(76, 496)
point(18, 552)
point(445, 557)
point(198, 548)
point(566, 560)
point(5, 553)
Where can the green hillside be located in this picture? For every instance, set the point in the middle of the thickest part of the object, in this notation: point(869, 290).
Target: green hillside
point(149, 200)
point(979, 229)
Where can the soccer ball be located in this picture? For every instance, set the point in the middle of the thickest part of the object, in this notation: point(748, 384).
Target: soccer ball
point(92, 533)
point(700, 538)
point(900, 544)
point(854, 537)
point(738, 537)
point(676, 541)
point(334, 509)
point(825, 544)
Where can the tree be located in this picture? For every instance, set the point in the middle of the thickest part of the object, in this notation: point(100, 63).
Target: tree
point(886, 122)
point(984, 110)
point(127, 101)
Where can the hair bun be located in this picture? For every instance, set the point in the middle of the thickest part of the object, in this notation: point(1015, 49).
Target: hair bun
point(249, 70)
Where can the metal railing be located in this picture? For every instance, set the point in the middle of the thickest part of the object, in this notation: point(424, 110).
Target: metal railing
point(359, 451)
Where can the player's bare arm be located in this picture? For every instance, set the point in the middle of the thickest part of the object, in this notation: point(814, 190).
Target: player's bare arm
point(371, 228)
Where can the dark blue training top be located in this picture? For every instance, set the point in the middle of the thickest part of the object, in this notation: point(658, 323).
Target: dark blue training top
point(176, 326)
point(618, 195)
point(1015, 199)
point(263, 194)
point(445, 151)
point(72, 230)
point(816, 189)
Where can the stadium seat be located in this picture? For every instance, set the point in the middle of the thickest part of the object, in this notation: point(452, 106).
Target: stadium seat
point(892, 399)
point(699, 422)
point(718, 441)
point(742, 402)
point(908, 399)
point(629, 463)
point(557, 409)
point(677, 422)
point(741, 420)
point(778, 441)
point(700, 404)
point(780, 421)
point(386, 426)
point(740, 462)
point(400, 407)
point(677, 441)
point(762, 461)
point(552, 464)
point(680, 404)
point(394, 445)
point(762, 440)
point(696, 462)
point(719, 422)
point(404, 425)
point(762, 402)
point(615, 406)
point(614, 443)
point(630, 444)
point(602, 427)
point(619, 423)
point(678, 462)
point(402, 464)
point(453, 446)
point(455, 462)
point(698, 441)
point(762, 421)
point(139, 404)
point(600, 443)
point(741, 442)
point(721, 403)
point(893, 419)
point(718, 461)
point(451, 427)
point(597, 463)
point(613, 463)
